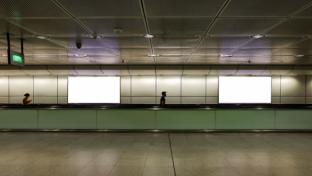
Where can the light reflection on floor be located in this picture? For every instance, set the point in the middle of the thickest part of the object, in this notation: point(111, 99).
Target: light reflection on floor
point(148, 154)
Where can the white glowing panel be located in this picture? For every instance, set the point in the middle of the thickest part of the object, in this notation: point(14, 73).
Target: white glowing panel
point(244, 89)
point(93, 89)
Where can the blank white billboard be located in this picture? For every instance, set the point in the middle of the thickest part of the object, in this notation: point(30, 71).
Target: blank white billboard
point(87, 89)
point(243, 89)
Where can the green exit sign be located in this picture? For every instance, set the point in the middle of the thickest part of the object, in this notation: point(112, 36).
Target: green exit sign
point(17, 59)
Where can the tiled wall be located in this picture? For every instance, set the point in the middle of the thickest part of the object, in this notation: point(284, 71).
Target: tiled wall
point(43, 90)
point(292, 90)
point(180, 90)
point(204, 89)
point(147, 89)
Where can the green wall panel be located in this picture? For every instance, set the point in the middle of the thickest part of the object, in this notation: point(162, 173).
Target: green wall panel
point(151, 119)
point(185, 119)
point(126, 119)
point(294, 119)
point(18, 119)
point(67, 119)
point(245, 119)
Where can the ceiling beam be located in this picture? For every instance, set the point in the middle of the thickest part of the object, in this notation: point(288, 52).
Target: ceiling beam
point(206, 33)
point(74, 18)
point(147, 29)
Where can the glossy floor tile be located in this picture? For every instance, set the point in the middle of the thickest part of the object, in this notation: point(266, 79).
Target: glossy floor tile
point(155, 154)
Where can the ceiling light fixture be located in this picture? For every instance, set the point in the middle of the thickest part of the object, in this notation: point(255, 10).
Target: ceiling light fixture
point(299, 55)
point(226, 55)
point(152, 55)
point(149, 36)
point(41, 37)
point(257, 36)
point(118, 30)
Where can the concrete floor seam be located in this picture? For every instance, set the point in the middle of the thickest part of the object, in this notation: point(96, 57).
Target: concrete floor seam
point(171, 153)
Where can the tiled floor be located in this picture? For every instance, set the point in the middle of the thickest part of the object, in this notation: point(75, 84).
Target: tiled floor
point(149, 154)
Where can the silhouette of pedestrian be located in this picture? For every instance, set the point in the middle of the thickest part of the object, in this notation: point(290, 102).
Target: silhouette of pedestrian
point(26, 99)
point(163, 98)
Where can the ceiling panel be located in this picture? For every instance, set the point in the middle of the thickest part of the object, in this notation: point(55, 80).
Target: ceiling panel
point(306, 44)
point(45, 60)
point(243, 27)
point(253, 52)
point(37, 44)
point(263, 7)
point(178, 27)
point(224, 42)
point(51, 27)
point(306, 13)
point(103, 8)
point(131, 53)
point(169, 60)
point(203, 60)
point(92, 52)
point(273, 42)
point(174, 42)
point(29, 8)
point(170, 52)
point(108, 42)
point(234, 60)
point(104, 60)
point(7, 27)
point(106, 26)
point(139, 60)
point(294, 27)
point(183, 7)
point(292, 52)
point(130, 42)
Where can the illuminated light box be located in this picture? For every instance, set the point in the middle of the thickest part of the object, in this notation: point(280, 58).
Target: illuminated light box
point(244, 89)
point(86, 89)
point(17, 59)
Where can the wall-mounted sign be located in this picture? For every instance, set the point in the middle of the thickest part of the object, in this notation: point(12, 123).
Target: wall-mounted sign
point(17, 59)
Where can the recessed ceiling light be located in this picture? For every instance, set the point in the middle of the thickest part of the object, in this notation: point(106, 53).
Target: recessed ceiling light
point(149, 36)
point(77, 55)
point(41, 37)
point(152, 55)
point(118, 30)
point(257, 36)
point(99, 37)
point(226, 55)
point(299, 55)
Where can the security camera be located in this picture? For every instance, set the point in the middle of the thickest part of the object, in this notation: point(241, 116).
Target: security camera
point(78, 43)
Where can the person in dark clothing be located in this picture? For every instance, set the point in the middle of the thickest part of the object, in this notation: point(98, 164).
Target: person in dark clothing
point(163, 98)
point(26, 99)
